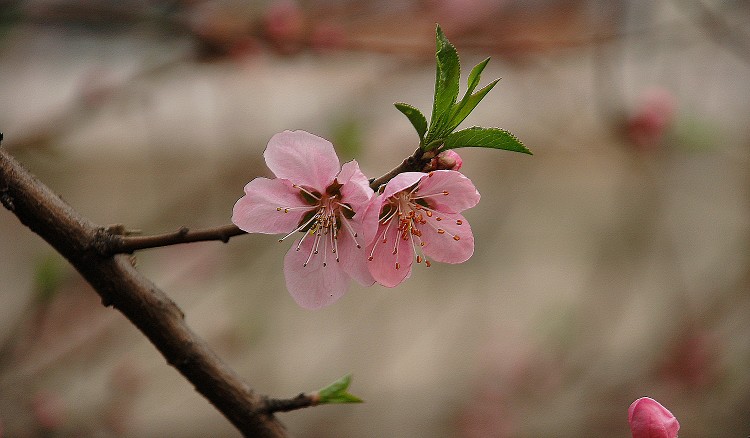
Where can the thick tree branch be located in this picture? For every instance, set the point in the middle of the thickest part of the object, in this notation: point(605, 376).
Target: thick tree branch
point(144, 304)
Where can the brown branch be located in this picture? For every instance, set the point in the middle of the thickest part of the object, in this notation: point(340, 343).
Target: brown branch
point(128, 243)
point(143, 303)
point(291, 404)
point(414, 163)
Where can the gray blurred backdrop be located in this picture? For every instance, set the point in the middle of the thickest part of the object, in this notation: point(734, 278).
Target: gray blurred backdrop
point(611, 264)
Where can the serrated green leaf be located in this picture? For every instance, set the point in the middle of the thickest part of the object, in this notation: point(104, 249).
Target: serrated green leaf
point(336, 392)
point(474, 76)
point(467, 105)
point(477, 137)
point(416, 118)
point(447, 75)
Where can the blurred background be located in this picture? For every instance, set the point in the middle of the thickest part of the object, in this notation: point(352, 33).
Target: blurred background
point(611, 264)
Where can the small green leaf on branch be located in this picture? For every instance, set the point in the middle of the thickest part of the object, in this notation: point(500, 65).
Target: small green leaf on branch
point(474, 76)
point(447, 74)
point(416, 118)
point(477, 137)
point(337, 392)
point(467, 105)
point(448, 113)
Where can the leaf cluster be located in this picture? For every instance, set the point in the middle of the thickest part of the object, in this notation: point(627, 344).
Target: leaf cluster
point(448, 112)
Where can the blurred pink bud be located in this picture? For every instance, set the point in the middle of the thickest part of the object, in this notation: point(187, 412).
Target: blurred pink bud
point(285, 25)
point(649, 419)
point(462, 15)
point(49, 410)
point(646, 126)
point(449, 160)
point(327, 37)
point(693, 359)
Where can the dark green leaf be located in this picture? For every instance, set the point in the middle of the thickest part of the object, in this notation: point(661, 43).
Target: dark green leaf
point(467, 105)
point(493, 138)
point(415, 116)
point(336, 392)
point(476, 72)
point(447, 75)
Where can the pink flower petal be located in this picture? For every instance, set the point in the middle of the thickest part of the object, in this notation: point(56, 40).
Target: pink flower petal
point(258, 211)
point(314, 286)
point(303, 158)
point(369, 219)
point(392, 256)
point(649, 419)
point(353, 259)
point(356, 189)
point(402, 181)
point(448, 240)
point(461, 193)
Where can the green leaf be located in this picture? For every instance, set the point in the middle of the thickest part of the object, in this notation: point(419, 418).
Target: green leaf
point(415, 116)
point(493, 138)
point(476, 72)
point(447, 74)
point(336, 392)
point(467, 105)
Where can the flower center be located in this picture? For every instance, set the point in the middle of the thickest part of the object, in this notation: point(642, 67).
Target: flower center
point(323, 222)
point(410, 212)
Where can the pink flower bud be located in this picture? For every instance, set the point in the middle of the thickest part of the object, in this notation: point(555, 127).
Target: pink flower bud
point(449, 160)
point(649, 419)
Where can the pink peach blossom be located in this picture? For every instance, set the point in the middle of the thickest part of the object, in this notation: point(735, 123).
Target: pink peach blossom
point(313, 195)
point(418, 217)
point(649, 419)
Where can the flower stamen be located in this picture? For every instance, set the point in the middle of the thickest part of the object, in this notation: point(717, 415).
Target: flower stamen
point(307, 192)
point(302, 227)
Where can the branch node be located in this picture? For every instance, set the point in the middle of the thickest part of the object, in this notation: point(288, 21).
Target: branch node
point(107, 301)
point(7, 200)
point(225, 237)
point(106, 238)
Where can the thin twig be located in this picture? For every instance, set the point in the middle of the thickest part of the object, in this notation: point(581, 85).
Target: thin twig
point(291, 404)
point(128, 244)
